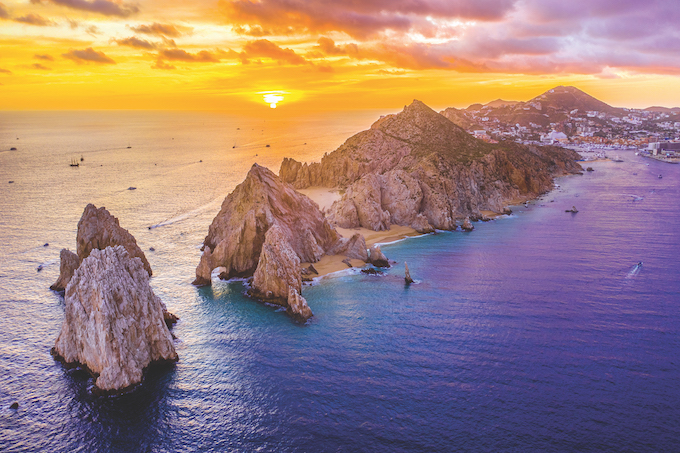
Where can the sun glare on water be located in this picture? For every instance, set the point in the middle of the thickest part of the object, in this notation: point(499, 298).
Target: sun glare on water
point(272, 98)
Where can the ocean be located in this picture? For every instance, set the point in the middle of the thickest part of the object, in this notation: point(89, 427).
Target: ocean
point(537, 331)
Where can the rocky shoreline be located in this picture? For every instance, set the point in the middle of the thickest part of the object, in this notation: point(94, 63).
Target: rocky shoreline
point(415, 170)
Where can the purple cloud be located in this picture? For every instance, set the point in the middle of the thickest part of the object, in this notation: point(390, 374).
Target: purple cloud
point(104, 7)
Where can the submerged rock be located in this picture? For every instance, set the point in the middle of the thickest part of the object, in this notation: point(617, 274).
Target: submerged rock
point(68, 263)
point(114, 324)
point(237, 234)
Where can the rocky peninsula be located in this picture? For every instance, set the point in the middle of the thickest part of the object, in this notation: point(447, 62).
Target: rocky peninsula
point(418, 169)
point(415, 171)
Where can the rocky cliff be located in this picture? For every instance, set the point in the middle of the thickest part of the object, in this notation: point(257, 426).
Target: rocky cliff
point(237, 234)
point(97, 229)
point(278, 277)
point(417, 168)
point(114, 323)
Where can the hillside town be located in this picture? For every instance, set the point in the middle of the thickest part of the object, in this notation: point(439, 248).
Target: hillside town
point(568, 116)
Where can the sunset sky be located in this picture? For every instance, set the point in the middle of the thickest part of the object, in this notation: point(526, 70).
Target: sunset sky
point(322, 55)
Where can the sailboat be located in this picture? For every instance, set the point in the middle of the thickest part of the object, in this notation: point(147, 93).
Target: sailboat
point(74, 163)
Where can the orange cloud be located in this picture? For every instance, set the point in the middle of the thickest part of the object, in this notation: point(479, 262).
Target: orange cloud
point(167, 30)
point(182, 55)
point(41, 67)
point(88, 55)
point(43, 57)
point(135, 43)
point(35, 19)
point(263, 48)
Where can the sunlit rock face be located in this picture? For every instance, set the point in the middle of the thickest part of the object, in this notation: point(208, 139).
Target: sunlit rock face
point(114, 324)
point(418, 169)
point(278, 269)
point(97, 229)
point(237, 234)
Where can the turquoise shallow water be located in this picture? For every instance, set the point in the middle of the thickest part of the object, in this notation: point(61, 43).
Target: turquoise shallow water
point(535, 332)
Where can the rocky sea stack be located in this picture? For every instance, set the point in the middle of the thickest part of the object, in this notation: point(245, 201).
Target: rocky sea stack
point(419, 169)
point(114, 324)
point(237, 234)
point(97, 229)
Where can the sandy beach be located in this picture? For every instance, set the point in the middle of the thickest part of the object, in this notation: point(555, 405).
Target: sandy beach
point(324, 197)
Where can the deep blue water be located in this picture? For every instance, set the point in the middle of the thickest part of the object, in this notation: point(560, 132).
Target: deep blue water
point(535, 332)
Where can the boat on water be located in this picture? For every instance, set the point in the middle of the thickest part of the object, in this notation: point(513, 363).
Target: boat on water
point(74, 163)
point(660, 176)
point(617, 159)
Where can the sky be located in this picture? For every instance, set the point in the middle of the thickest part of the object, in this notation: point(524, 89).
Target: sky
point(314, 55)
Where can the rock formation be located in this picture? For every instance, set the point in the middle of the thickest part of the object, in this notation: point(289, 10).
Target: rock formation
point(297, 306)
point(418, 169)
point(467, 224)
point(278, 277)
point(97, 229)
point(407, 274)
point(352, 248)
point(114, 324)
point(278, 269)
point(377, 257)
point(68, 263)
point(237, 234)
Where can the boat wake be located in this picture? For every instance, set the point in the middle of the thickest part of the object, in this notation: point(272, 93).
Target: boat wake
point(634, 271)
point(189, 214)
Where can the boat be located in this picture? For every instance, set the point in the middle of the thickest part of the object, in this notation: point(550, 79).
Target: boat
point(617, 159)
point(573, 210)
point(660, 176)
point(74, 163)
point(12, 149)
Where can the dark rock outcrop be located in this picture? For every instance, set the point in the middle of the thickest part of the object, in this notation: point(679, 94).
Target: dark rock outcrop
point(467, 225)
point(407, 274)
point(418, 163)
point(237, 234)
point(377, 257)
point(114, 324)
point(297, 306)
point(68, 263)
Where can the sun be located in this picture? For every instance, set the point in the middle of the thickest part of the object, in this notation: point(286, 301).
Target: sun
point(272, 97)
